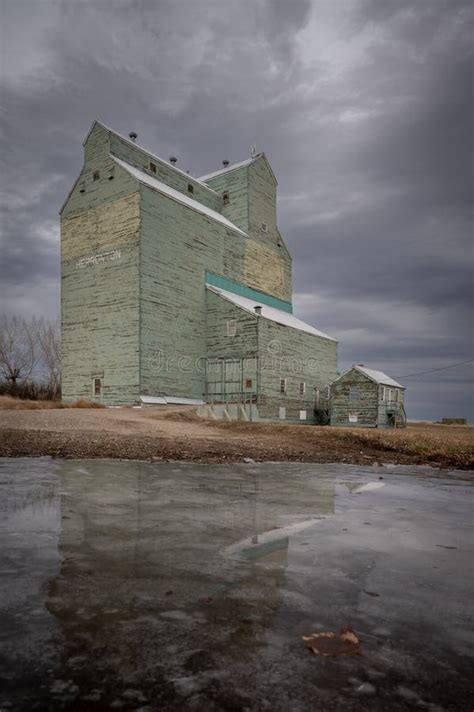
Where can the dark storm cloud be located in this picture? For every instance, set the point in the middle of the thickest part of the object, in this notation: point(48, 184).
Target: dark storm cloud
point(363, 107)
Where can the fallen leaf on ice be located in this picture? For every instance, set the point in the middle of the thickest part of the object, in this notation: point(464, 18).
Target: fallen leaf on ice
point(329, 643)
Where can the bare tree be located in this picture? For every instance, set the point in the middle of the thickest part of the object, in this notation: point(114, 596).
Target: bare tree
point(18, 349)
point(49, 341)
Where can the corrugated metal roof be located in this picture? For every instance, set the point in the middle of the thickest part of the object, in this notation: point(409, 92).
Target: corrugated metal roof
point(271, 313)
point(176, 195)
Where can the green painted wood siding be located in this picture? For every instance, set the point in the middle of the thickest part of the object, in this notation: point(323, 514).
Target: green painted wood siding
point(232, 361)
point(370, 408)
point(366, 407)
point(100, 286)
point(298, 357)
point(218, 343)
point(236, 184)
point(139, 158)
point(178, 246)
point(252, 203)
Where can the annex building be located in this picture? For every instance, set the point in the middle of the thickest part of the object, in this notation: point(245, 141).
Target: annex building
point(178, 289)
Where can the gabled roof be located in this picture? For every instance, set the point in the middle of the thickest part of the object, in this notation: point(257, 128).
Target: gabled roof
point(227, 169)
point(376, 376)
point(152, 155)
point(277, 315)
point(176, 195)
point(235, 166)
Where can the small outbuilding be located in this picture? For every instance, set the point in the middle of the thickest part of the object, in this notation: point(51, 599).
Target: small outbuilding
point(364, 397)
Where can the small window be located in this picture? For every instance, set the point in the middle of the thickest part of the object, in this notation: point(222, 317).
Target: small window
point(264, 227)
point(302, 415)
point(96, 175)
point(225, 198)
point(190, 188)
point(354, 393)
point(397, 395)
point(282, 385)
point(152, 167)
point(383, 393)
point(390, 395)
point(111, 173)
point(82, 188)
point(328, 392)
point(302, 388)
point(97, 386)
point(282, 412)
point(352, 417)
point(231, 327)
point(248, 383)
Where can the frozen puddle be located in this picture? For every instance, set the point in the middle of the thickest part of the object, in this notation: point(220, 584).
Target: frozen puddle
point(172, 587)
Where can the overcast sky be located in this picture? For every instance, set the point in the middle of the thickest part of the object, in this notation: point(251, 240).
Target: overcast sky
point(363, 107)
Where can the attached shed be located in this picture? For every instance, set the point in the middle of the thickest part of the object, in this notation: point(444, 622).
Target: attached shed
point(367, 398)
point(264, 358)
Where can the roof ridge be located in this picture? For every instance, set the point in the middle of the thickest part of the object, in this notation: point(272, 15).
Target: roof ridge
point(277, 315)
point(175, 194)
point(152, 155)
point(232, 167)
point(381, 377)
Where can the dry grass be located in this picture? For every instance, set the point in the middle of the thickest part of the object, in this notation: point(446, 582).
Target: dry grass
point(10, 403)
point(423, 443)
point(428, 442)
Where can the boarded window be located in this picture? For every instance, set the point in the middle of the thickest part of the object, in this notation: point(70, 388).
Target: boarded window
point(397, 395)
point(352, 417)
point(282, 385)
point(354, 393)
point(97, 386)
point(152, 167)
point(96, 175)
point(190, 188)
point(225, 198)
point(302, 415)
point(382, 393)
point(302, 388)
point(389, 395)
point(282, 412)
point(231, 327)
point(248, 383)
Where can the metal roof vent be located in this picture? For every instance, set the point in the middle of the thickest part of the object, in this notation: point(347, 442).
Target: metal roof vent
point(258, 309)
point(132, 136)
point(173, 160)
point(225, 163)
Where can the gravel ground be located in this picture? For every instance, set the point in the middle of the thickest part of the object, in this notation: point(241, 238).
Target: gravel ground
point(165, 433)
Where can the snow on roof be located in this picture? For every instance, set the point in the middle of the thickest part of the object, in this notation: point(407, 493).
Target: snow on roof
point(176, 195)
point(377, 376)
point(152, 155)
point(229, 168)
point(271, 313)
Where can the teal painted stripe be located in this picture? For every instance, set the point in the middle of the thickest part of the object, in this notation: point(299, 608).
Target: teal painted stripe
point(236, 288)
